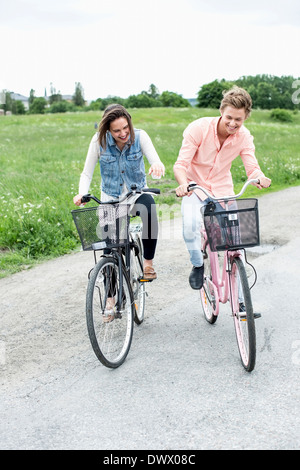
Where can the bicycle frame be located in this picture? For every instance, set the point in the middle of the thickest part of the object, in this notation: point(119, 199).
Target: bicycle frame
point(123, 258)
point(115, 297)
point(220, 276)
point(122, 252)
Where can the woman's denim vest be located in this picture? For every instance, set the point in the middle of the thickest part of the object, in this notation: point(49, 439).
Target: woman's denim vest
point(121, 167)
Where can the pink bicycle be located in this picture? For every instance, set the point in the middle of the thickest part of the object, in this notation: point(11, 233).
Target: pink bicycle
point(230, 226)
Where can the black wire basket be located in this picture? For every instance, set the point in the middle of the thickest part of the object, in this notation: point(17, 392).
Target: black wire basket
point(234, 227)
point(106, 223)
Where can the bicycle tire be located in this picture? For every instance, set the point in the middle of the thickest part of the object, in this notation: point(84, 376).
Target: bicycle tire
point(138, 287)
point(110, 340)
point(209, 294)
point(244, 322)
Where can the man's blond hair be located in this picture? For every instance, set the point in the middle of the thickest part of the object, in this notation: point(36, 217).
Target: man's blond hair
point(237, 98)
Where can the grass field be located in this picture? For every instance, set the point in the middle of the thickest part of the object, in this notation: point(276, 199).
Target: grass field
point(42, 156)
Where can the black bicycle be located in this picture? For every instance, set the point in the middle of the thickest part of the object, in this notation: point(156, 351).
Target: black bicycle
point(116, 291)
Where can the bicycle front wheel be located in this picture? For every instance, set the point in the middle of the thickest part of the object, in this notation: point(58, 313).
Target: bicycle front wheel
point(110, 326)
point(244, 322)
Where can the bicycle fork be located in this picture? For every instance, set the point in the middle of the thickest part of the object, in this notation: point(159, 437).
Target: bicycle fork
point(121, 295)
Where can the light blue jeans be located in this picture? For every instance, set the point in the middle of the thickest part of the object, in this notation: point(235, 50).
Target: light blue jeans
point(191, 225)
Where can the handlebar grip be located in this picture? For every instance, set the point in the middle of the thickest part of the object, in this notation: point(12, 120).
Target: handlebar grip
point(191, 185)
point(86, 198)
point(151, 190)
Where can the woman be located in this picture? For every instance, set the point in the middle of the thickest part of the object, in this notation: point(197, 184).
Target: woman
point(120, 149)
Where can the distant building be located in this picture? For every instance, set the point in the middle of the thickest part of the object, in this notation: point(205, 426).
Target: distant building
point(68, 98)
point(18, 97)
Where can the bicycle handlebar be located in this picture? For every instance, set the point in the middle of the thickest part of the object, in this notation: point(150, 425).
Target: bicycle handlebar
point(192, 185)
point(133, 191)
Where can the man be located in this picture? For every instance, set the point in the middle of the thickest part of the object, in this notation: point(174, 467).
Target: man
point(209, 146)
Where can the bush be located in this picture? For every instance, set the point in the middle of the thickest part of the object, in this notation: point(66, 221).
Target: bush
point(18, 107)
point(281, 115)
point(101, 103)
point(38, 106)
point(61, 107)
point(143, 100)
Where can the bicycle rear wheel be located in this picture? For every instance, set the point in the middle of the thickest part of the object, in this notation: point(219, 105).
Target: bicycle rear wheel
point(243, 321)
point(110, 327)
point(138, 287)
point(208, 294)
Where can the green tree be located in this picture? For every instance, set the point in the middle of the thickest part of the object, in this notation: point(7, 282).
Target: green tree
point(31, 97)
point(7, 101)
point(171, 99)
point(38, 106)
point(153, 92)
point(97, 105)
point(59, 107)
point(267, 96)
point(210, 95)
point(268, 91)
point(143, 100)
point(54, 95)
point(101, 103)
point(18, 107)
point(78, 97)
point(55, 98)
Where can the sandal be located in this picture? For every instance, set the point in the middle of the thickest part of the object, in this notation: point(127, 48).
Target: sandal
point(149, 273)
point(109, 312)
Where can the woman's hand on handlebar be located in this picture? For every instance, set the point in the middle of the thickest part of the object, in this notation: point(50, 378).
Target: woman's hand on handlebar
point(77, 200)
point(263, 182)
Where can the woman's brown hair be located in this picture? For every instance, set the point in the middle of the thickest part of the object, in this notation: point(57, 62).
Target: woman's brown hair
point(111, 113)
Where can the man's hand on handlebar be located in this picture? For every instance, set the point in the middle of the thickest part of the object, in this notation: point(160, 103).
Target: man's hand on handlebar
point(263, 182)
point(182, 190)
point(186, 189)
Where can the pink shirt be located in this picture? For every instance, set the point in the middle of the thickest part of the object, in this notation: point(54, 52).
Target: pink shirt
point(209, 165)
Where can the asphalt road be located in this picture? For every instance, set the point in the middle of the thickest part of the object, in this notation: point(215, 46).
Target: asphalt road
point(182, 386)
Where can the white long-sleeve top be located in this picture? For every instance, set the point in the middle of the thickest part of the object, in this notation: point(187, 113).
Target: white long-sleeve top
point(93, 156)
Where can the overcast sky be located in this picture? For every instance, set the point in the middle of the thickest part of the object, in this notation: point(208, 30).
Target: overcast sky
point(120, 47)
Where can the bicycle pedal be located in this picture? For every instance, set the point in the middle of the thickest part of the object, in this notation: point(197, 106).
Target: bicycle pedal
point(243, 316)
point(145, 280)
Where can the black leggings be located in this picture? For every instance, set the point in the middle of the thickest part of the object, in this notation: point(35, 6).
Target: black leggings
point(145, 208)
